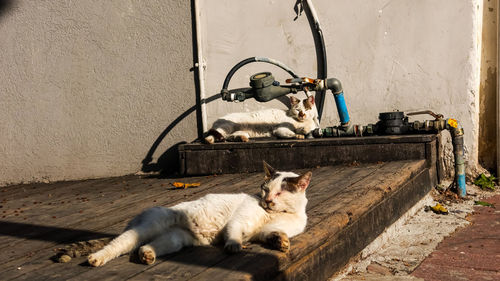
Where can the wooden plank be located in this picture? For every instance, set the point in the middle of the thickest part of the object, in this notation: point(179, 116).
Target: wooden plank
point(115, 219)
point(200, 159)
point(95, 205)
point(356, 235)
point(265, 256)
point(276, 143)
point(197, 259)
point(92, 203)
point(325, 170)
point(94, 190)
point(326, 218)
point(47, 207)
point(296, 157)
point(432, 163)
point(28, 190)
point(181, 266)
point(241, 183)
point(330, 186)
point(328, 196)
point(348, 206)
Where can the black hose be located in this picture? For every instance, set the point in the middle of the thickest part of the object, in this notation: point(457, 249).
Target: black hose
point(319, 43)
point(255, 59)
point(234, 69)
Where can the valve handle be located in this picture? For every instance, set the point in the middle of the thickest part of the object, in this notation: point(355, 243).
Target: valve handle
point(436, 116)
point(300, 80)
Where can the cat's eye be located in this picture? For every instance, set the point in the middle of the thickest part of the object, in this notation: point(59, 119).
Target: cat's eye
point(277, 194)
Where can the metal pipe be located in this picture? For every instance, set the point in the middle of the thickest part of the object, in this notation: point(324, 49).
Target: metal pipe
point(319, 43)
point(200, 65)
point(335, 86)
point(457, 139)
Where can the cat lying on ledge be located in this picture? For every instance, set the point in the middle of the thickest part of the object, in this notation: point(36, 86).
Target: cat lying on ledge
point(271, 218)
point(296, 122)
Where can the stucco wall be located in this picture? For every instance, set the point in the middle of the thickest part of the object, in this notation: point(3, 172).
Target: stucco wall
point(390, 55)
point(86, 87)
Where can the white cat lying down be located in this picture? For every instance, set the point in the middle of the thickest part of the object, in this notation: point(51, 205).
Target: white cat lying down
point(278, 214)
point(296, 122)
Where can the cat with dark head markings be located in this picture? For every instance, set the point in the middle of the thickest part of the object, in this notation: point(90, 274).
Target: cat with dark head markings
point(271, 218)
point(296, 122)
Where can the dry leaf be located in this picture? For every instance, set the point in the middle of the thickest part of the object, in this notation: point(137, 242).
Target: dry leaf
point(185, 185)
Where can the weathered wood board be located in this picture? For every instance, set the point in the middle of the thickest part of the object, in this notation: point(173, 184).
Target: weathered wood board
point(349, 205)
point(227, 157)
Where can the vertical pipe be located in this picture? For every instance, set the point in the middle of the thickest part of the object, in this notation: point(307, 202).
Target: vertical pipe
point(319, 43)
point(200, 68)
point(335, 86)
point(458, 151)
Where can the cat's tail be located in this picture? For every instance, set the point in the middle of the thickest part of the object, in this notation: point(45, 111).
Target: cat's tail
point(214, 136)
point(80, 249)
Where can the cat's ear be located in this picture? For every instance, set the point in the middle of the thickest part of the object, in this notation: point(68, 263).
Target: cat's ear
point(270, 171)
point(303, 181)
point(310, 99)
point(309, 102)
point(294, 100)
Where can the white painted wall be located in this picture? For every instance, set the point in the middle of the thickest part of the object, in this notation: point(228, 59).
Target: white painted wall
point(402, 55)
point(86, 87)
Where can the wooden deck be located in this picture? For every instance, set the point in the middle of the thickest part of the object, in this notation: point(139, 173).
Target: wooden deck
point(349, 205)
point(236, 157)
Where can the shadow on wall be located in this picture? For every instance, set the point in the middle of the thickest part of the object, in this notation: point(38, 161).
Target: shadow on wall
point(5, 6)
point(168, 162)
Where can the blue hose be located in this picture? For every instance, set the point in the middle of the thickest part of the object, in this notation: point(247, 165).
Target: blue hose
point(341, 108)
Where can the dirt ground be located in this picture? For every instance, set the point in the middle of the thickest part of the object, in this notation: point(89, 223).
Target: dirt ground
point(397, 252)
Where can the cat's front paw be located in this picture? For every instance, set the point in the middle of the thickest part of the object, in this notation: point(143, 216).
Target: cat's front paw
point(209, 140)
point(299, 136)
point(279, 241)
point(233, 246)
point(97, 259)
point(147, 254)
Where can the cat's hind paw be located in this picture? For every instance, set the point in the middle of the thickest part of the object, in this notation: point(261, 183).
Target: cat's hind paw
point(96, 259)
point(238, 138)
point(233, 247)
point(279, 241)
point(147, 254)
point(244, 139)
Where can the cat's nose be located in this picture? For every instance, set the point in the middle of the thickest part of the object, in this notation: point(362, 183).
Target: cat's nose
point(269, 203)
point(302, 114)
